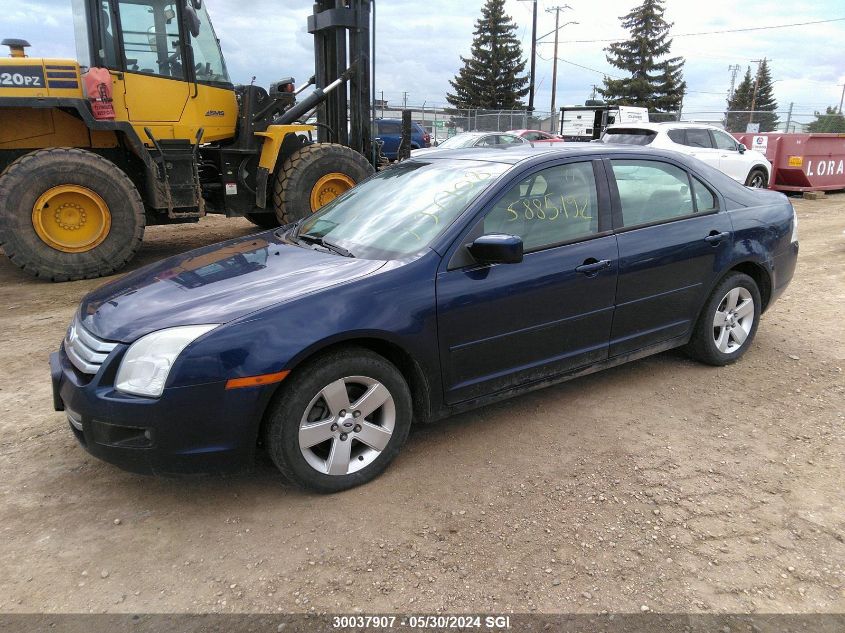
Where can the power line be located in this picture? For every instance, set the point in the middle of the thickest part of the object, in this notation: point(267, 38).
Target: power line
point(607, 74)
point(745, 30)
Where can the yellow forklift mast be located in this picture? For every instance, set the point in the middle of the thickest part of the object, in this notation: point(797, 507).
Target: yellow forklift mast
point(146, 127)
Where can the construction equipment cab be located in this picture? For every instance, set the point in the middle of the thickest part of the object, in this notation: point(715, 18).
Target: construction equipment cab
point(146, 127)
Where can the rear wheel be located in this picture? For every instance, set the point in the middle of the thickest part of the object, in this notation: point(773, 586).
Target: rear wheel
point(69, 214)
point(728, 321)
point(757, 178)
point(315, 175)
point(340, 420)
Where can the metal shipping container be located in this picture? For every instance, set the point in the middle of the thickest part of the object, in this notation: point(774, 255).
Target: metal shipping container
point(801, 162)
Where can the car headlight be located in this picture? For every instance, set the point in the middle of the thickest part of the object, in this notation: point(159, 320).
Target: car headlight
point(146, 365)
point(794, 227)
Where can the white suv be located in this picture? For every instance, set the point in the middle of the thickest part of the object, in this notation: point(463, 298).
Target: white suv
point(706, 142)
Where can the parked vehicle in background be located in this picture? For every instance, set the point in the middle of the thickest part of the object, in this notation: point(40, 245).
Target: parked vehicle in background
point(474, 139)
point(390, 134)
point(436, 286)
point(588, 122)
point(707, 143)
point(537, 136)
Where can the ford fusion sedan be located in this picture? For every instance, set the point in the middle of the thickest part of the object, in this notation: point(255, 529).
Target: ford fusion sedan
point(438, 285)
point(707, 143)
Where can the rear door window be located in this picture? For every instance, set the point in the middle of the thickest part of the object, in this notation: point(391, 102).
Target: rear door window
point(678, 136)
point(705, 200)
point(698, 137)
point(651, 191)
point(389, 127)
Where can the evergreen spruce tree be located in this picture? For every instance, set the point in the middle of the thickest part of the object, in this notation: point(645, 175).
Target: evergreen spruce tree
point(740, 102)
point(831, 121)
point(655, 82)
point(492, 77)
point(765, 104)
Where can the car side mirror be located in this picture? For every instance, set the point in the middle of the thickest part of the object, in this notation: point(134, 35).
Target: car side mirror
point(496, 248)
point(741, 147)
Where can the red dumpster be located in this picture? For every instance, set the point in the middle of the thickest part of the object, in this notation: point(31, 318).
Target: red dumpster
point(801, 162)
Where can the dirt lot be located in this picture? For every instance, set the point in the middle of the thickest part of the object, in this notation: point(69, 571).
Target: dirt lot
point(662, 484)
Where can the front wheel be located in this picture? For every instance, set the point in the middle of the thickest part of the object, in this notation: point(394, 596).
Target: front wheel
point(340, 420)
point(67, 214)
point(315, 175)
point(728, 322)
point(757, 179)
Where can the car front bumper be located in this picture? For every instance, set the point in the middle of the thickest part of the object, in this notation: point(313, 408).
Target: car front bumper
point(197, 429)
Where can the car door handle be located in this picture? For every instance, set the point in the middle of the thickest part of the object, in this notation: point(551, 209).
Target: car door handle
point(592, 266)
point(714, 237)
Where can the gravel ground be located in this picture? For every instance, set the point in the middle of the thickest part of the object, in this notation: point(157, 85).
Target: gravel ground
point(662, 485)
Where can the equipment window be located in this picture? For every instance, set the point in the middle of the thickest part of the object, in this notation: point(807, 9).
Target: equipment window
point(556, 205)
point(208, 58)
point(651, 191)
point(151, 38)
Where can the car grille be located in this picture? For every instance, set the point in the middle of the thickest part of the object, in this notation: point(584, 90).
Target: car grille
point(86, 351)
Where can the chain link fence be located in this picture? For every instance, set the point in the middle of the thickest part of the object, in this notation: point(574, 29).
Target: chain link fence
point(442, 123)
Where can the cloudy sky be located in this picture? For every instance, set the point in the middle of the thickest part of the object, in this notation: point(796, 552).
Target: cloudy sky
point(419, 43)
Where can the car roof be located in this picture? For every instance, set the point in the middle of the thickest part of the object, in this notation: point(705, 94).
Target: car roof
point(668, 125)
point(513, 154)
point(529, 154)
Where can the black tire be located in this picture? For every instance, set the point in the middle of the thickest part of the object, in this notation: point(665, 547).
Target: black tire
point(281, 432)
point(300, 172)
point(26, 179)
point(263, 220)
point(703, 345)
point(758, 178)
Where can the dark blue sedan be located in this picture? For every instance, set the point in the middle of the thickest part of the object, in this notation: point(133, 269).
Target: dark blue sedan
point(441, 284)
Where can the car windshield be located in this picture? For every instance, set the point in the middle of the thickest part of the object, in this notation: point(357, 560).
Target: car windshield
point(461, 140)
point(629, 136)
point(401, 210)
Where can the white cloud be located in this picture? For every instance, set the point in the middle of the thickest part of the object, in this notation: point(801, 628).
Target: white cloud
point(419, 44)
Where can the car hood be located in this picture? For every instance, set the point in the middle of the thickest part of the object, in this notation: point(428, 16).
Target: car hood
point(214, 284)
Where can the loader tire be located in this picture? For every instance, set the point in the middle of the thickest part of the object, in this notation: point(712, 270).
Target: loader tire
point(67, 214)
point(314, 175)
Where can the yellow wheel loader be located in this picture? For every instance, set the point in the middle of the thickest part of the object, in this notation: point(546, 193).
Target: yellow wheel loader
point(145, 127)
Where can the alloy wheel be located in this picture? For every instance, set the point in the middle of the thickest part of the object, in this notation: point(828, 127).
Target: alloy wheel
point(347, 425)
point(733, 320)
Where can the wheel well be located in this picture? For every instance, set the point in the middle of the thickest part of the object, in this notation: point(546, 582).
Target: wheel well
point(761, 277)
point(404, 362)
point(761, 167)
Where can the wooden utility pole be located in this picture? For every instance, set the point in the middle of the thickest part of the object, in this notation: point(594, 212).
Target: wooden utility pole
point(556, 11)
point(533, 73)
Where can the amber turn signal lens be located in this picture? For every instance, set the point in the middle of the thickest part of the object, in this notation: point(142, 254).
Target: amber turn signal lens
point(256, 381)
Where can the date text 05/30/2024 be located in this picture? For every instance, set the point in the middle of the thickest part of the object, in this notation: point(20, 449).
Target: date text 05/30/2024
point(490, 622)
